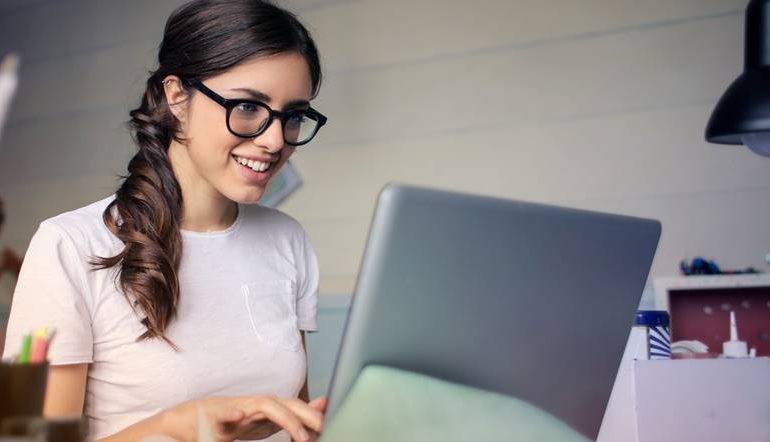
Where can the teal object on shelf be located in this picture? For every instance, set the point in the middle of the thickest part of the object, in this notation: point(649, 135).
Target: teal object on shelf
point(388, 404)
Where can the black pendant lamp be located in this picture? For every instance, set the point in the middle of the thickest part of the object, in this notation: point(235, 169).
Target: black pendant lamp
point(742, 115)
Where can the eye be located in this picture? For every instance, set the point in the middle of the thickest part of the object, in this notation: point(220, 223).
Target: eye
point(247, 108)
point(296, 117)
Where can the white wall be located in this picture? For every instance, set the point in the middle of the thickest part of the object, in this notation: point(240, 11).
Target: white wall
point(597, 104)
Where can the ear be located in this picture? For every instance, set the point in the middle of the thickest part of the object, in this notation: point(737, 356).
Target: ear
point(176, 96)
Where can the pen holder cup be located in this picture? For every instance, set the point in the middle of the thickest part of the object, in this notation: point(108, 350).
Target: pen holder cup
point(22, 389)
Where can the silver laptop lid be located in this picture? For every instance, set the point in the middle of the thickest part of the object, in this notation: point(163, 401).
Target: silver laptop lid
point(525, 299)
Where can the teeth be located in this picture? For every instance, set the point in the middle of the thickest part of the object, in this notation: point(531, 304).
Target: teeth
point(256, 166)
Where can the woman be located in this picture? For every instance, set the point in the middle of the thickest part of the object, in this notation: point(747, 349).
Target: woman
point(178, 296)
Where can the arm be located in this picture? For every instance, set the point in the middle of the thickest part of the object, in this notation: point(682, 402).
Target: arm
point(230, 418)
point(66, 390)
point(65, 396)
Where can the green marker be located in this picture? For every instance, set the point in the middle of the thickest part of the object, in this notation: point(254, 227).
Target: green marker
point(26, 345)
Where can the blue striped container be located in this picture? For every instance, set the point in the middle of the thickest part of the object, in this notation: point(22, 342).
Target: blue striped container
point(657, 329)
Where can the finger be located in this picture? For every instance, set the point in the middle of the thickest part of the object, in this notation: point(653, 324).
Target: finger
point(224, 420)
point(231, 416)
point(314, 436)
point(221, 411)
point(278, 412)
point(311, 417)
point(319, 403)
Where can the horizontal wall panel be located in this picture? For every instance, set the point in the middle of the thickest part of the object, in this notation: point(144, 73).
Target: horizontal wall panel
point(75, 26)
point(728, 226)
point(629, 72)
point(88, 83)
point(388, 32)
point(90, 145)
point(625, 156)
point(14, 7)
point(385, 32)
point(92, 25)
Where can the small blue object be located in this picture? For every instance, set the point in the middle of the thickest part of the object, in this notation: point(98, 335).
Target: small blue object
point(656, 322)
point(699, 266)
point(652, 318)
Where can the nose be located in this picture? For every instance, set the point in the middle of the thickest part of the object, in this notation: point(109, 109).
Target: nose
point(272, 138)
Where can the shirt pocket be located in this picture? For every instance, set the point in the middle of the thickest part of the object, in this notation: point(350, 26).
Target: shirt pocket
point(272, 311)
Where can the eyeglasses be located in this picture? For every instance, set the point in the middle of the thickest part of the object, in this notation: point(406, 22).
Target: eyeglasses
point(250, 118)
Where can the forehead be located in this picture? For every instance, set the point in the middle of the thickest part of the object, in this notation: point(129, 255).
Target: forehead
point(283, 77)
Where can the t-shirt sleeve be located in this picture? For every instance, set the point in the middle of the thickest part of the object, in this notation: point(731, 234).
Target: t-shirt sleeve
point(51, 292)
point(307, 297)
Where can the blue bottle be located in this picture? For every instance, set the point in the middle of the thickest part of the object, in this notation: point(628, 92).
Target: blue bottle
point(656, 328)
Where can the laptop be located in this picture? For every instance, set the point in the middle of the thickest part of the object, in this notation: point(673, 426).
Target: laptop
point(528, 300)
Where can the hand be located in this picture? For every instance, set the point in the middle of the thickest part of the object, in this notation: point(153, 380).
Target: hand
point(268, 428)
point(247, 417)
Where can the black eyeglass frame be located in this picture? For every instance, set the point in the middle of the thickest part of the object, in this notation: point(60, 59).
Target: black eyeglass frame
point(230, 104)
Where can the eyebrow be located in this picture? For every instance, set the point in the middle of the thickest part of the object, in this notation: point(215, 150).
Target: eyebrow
point(261, 96)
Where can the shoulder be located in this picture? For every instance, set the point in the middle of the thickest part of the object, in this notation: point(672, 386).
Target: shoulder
point(84, 226)
point(86, 216)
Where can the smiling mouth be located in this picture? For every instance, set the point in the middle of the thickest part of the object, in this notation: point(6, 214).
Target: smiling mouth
point(256, 166)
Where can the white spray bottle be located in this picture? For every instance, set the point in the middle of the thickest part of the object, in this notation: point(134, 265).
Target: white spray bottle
point(734, 348)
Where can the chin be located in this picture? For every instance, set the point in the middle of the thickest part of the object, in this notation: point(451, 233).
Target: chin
point(247, 196)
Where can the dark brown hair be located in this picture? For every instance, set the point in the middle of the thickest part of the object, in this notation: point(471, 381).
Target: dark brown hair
point(202, 38)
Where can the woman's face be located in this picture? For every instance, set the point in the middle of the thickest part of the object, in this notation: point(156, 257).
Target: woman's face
point(212, 157)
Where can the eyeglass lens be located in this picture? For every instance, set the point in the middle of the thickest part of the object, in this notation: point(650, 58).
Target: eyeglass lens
point(250, 118)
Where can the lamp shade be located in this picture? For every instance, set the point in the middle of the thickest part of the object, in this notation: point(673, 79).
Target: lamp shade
point(742, 114)
point(743, 108)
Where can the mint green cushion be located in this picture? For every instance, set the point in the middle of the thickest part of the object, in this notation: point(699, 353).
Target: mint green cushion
point(388, 404)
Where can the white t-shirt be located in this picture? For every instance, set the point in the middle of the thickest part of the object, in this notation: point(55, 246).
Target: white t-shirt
point(245, 294)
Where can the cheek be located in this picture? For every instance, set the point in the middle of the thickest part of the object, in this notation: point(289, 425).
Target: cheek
point(207, 123)
point(210, 142)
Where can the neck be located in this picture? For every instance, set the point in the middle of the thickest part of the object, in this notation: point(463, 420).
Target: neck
point(201, 215)
point(204, 209)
